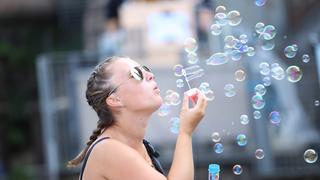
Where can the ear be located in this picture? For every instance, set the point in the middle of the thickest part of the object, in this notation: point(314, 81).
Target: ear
point(114, 101)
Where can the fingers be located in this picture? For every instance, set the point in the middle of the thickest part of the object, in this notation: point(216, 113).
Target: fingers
point(185, 102)
point(202, 101)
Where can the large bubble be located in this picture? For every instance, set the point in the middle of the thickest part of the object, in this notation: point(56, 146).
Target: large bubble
point(310, 156)
point(242, 140)
point(190, 45)
point(234, 18)
point(217, 59)
point(294, 74)
point(258, 102)
point(237, 169)
point(275, 117)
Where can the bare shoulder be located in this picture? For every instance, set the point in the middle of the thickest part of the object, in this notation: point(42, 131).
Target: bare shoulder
point(115, 160)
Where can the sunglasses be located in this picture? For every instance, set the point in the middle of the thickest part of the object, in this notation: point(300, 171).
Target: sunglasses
point(135, 73)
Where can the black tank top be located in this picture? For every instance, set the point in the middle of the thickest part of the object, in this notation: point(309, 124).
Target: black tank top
point(151, 152)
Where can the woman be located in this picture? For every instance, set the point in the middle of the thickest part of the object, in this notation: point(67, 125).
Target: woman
point(124, 95)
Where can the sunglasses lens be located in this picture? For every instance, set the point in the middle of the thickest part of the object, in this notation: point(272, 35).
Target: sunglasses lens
point(146, 68)
point(136, 73)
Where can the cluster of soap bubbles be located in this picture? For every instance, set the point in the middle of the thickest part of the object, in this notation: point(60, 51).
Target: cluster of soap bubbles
point(205, 89)
point(266, 35)
point(223, 18)
point(191, 46)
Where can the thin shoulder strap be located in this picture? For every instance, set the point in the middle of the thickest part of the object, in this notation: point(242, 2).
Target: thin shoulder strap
point(87, 156)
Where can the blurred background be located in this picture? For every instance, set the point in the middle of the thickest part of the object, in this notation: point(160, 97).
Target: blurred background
point(49, 47)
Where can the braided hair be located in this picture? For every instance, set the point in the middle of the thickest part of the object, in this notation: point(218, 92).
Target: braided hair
point(98, 88)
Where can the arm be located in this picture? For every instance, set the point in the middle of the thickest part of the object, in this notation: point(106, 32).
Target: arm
point(182, 165)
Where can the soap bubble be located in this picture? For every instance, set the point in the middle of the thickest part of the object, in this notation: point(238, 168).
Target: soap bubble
point(237, 169)
point(244, 120)
point(277, 72)
point(178, 70)
point(266, 81)
point(217, 59)
point(220, 9)
point(259, 27)
point(257, 102)
point(204, 87)
point(230, 90)
point(295, 47)
point(274, 117)
point(260, 2)
point(215, 137)
point(172, 98)
point(269, 32)
point(215, 29)
point(290, 52)
point(164, 110)
point(294, 74)
point(236, 55)
point(179, 83)
point(242, 140)
point(250, 51)
point(259, 154)
point(221, 19)
point(256, 114)
point(243, 38)
point(305, 58)
point(240, 75)
point(192, 58)
point(259, 89)
point(174, 125)
point(267, 45)
point(229, 41)
point(316, 102)
point(218, 148)
point(234, 18)
point(310, 156)
point(264, 68)
point(244, 48)
point(209, 95)
point(190, 45)
point(238, 45)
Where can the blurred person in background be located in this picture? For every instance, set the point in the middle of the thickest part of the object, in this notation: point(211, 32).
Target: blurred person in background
point(124, 95)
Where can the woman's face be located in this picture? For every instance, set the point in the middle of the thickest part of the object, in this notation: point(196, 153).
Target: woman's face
point(135, 95)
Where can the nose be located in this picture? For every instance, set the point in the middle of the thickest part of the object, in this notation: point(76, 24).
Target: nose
point(149, 76)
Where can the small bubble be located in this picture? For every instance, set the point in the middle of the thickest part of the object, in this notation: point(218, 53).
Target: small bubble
point(259, 27)
point(179, 83)
point(218, 148)
point(250, 51)
point(190, 45)
point(259, 89)
point(310, 156)
point(209, 95)
point(229, 41)
point(164, 110)
point(295, 47)
point(258, 102)
point(243, 38)
point(256, 114)
point(260, 2)
point(240, 75)
point(269, 32)
point(178, 70)
point(220, 9)
point(268, 45)
point(277, 72)
point(237, 169)
point(305, 58)
point(244, 120)
point(290, 52)
point(242, 140)
point(316, 102)
point(266, 81)
point(264, 68)
point(174, 125)
point(192, 58)
point(215, 137)
point(236, 55)
point(229, 90)
point(259, 154)
point(275, 117)
point(204, 87)
point(221, 19)
point(215, 29)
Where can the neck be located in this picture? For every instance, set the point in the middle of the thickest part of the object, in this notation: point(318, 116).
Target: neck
point(130, 128)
